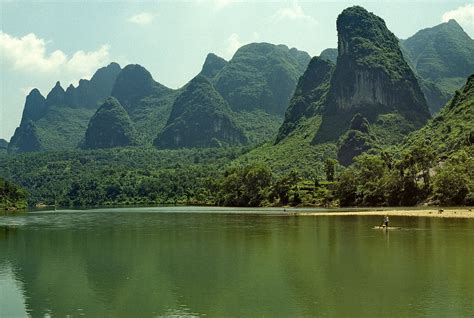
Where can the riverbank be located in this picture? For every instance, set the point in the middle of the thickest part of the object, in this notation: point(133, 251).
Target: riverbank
point(437, 213)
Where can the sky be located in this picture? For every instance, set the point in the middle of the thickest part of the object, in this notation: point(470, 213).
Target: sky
point(42, 42)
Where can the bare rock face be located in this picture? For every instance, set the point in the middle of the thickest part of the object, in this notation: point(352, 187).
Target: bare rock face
point(370, 69)
point(370, 85)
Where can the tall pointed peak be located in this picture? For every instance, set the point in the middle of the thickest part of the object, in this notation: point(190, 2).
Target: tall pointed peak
point(212, 65)
point(34, 93)
point(56, 95)
point(453, 22)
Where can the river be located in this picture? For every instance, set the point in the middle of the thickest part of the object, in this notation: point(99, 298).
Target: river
point(187, 262)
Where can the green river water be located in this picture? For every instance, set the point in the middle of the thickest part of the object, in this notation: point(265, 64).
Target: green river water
point(185, 262)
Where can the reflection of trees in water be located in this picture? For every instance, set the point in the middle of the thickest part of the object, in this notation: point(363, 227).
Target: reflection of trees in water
point(220, 264)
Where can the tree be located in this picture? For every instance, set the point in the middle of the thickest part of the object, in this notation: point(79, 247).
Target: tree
point(245, 186)
point(329, 168)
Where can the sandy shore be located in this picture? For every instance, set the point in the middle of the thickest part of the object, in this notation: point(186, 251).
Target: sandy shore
point(436, 213)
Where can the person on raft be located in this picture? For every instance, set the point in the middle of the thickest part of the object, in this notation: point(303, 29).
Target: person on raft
point(385, 222)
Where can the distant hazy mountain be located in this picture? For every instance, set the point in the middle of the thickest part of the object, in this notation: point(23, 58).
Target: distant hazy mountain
point(329, 54)
point(200, 117)
point(59, 121)
point(444, 57)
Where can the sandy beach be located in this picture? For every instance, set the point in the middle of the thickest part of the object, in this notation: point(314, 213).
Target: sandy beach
point(436, 213)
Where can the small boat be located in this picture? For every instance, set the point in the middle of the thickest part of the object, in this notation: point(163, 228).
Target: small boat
point(386, 228)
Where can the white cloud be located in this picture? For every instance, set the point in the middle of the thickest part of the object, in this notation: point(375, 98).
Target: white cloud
point(86, 63)
point(223, 3)
point(29, 54)
point(233, 44)
point(217, 4)
point(294, 12)
point(142, 18)
point(26, 90)
point(463, 15)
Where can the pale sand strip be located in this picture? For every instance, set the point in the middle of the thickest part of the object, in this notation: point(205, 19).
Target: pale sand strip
point(450, 213)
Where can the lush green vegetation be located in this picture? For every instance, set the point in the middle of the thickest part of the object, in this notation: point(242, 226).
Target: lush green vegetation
point(257, 83)
point(3, 146)
point(60, 120)
point(309, 96)
point(261, 76)
point(12, 197)
point(359, 111)
point(110, 127)
point(147, 102)
point(443, 51)
point(418, 176)
point(442, 150)
point(200, 117)
point(443, 56)
point(453, 127)
point(118, 175)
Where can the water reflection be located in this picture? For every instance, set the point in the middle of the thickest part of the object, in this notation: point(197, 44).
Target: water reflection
point(149, 264)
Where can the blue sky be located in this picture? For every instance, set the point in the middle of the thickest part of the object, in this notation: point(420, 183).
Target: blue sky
point(42, 42)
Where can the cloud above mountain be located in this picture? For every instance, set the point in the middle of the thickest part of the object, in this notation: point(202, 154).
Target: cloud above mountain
point(294, 11)
point(29, 54)
point(464, 15)
point(142, 18)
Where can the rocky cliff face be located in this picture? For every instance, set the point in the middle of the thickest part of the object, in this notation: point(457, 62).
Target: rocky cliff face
point(370, 83)
point(110, 127)
point(371, 69)
point(200, 117)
